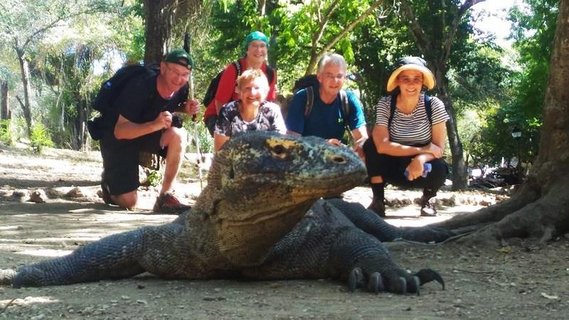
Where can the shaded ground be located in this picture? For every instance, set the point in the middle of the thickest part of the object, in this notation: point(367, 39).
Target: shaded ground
point(522, 280)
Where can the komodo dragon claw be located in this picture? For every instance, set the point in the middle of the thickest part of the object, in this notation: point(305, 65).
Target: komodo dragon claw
point(6, 276)
point(400, 281)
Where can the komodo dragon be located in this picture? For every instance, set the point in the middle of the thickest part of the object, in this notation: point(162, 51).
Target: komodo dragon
point(261, 216)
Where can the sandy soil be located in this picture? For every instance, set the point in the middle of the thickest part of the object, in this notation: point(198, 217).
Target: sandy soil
point(521, 280)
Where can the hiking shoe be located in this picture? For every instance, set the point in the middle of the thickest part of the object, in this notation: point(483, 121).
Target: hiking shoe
point(168, 203)
point(427, 208)
point(378, 207)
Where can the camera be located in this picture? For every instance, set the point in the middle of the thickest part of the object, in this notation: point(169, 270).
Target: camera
point(177, 121)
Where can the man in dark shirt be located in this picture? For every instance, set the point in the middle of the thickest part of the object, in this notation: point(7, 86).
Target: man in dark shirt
point(143, 123)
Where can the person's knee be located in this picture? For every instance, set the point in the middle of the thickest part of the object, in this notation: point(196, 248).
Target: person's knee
point(182, 135)
point(376, 179)
point(174, 139)
point(126, 200)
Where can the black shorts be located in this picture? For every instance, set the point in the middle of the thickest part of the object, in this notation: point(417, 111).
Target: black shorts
point(121, 159)
point(392, 169)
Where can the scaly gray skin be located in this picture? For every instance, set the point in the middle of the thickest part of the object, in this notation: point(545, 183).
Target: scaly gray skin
point(259, 217)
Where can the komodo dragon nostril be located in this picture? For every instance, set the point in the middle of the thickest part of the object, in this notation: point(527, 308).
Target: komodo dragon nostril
point(339, 159)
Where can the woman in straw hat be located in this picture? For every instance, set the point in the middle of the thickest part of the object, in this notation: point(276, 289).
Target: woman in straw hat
point(408, 138)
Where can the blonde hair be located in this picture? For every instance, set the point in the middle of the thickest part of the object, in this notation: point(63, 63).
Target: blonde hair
point(250, 75)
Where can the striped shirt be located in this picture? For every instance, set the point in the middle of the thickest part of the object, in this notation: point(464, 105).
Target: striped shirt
point(412, 129)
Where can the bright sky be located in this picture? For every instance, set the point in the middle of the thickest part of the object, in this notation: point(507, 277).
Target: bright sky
point(493, 17)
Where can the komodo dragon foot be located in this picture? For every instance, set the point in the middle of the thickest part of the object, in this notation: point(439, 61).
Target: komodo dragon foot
point(399, 281)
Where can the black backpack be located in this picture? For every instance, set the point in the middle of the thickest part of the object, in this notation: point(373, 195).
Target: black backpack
point(110, 90)
point(214, 83)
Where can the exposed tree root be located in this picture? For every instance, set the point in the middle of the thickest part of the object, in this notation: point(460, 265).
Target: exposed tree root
point(493, 213)
point(543, 218)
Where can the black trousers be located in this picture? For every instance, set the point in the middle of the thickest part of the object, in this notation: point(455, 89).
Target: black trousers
point(392, 170)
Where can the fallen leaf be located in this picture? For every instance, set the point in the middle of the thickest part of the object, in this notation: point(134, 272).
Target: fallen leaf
point(550, 297)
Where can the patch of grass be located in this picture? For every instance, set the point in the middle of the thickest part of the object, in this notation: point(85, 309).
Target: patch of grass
point(40, 137)
point(6, 132)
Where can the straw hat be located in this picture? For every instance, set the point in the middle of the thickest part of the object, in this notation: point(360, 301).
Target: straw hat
point(411, 63)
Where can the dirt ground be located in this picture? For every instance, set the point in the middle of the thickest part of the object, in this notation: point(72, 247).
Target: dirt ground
point(521, 280)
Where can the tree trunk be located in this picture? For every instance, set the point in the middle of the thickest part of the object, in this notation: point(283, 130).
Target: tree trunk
point(541, 207)
point(158, 16)
point(25, 73)
point(4, 106)
point(459, 173)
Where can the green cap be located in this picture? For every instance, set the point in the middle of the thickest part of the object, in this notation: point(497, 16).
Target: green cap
point(181, 57)
point(255, 36)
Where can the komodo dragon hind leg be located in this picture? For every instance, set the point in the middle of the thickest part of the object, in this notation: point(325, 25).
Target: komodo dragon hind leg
point(369, 222)
point(112, 257)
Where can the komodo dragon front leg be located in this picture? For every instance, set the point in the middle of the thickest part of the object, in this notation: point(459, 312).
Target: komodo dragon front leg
point(364, 262)
point(326, 244)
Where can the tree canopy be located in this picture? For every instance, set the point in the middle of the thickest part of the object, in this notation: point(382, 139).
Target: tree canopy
point(57, 53)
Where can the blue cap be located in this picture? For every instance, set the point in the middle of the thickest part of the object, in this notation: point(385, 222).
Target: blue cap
point(255, 36)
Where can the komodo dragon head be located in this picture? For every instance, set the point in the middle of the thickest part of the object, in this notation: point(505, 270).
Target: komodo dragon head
point(261, 184)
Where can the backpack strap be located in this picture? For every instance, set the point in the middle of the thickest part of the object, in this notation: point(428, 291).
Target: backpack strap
point(309, 101)
point(345, 106)
point(270, 74)
point(237, 65)
point(429, 108)
point(346, 112)
point(391, 110)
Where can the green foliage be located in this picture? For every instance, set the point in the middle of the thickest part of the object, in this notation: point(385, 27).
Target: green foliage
point(198, 135)
point(522, 90)
point(154, 178)
point(40, 137)
point(293, 28)
point(68, 63)
point(534, 32)
point(6, 132)
point(233, 22)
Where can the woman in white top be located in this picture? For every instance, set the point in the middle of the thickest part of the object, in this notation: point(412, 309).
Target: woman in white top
point(408, 138)
point(252, 112)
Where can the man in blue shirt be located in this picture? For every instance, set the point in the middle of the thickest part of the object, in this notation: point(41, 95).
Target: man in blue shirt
point(327, 118)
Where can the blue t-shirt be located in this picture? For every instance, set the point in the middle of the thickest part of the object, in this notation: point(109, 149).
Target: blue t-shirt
point(325, 120)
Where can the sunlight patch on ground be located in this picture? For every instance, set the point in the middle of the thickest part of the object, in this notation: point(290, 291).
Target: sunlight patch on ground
point(42, 252)
point(28, 301)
